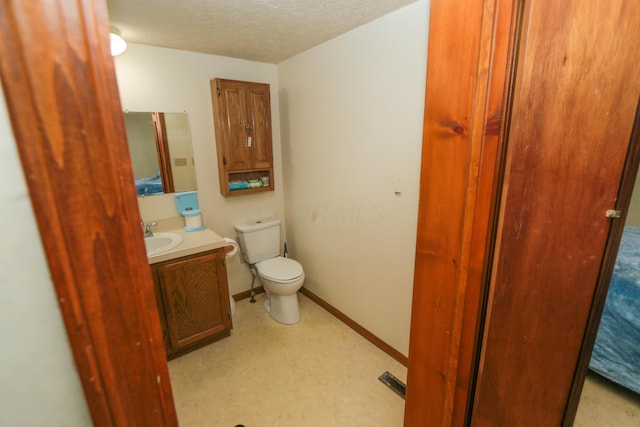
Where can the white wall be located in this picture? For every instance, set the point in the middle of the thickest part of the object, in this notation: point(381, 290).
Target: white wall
point(351, 112)
point(39, 385)
point(158, 79)
point(179, 141)
point(633, 216)
point(142, 141)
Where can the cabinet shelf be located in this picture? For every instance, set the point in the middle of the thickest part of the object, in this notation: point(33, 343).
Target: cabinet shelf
point(263, 176)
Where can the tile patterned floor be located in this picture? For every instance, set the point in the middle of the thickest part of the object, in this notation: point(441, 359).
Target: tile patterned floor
point(318, 372)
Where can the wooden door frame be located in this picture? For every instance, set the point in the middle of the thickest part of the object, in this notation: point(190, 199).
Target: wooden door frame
point(468, 78)
point(60, 88)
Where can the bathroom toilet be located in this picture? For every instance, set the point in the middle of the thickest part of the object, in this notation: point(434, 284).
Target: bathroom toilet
point(281, 277)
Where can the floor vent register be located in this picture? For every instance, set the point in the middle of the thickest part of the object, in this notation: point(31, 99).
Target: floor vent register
point(393, 383)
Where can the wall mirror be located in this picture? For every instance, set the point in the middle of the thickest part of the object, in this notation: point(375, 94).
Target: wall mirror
point(161, 152)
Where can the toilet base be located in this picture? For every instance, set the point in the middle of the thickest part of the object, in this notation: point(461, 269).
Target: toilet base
point(283, 308)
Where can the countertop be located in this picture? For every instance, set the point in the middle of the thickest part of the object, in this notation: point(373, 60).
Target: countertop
point(193, 242)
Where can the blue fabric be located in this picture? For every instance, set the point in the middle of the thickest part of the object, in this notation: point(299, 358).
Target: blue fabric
point(238, 185)
point(149, 186)
point(616, 354)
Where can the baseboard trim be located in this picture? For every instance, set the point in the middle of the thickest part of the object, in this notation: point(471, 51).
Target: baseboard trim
point(404, 360)
point(401, 358)
point(247, 294)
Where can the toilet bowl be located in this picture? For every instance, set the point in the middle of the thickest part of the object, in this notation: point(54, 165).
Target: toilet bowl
point(281, 277)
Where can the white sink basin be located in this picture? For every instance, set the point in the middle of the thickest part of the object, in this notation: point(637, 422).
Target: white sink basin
point(161, 242)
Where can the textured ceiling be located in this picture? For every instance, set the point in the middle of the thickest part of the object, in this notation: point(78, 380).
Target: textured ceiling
point(260, 30)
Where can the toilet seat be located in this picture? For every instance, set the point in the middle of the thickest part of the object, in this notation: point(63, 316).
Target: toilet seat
point(280, 269)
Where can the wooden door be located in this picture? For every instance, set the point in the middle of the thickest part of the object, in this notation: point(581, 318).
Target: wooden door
point(574, 101)
point(231, 119)
point(609, 263)
point(195, 299)
point(259, 120)
point(62, 95)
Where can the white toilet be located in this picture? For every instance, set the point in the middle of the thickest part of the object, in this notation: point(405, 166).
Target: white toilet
point(281, 277)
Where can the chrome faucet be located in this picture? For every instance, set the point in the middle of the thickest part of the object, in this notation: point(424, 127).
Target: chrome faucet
point(146, 228)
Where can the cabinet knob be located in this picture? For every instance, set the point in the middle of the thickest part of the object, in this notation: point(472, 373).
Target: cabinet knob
point(248, 127)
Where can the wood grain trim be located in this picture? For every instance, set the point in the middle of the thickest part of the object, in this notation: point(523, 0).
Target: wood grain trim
point(463, 118)
point(493, 76)
point(61, 92)
point(342, 317)
point(356, 326)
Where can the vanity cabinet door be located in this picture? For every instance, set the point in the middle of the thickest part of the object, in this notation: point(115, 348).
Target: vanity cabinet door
point(195, 300)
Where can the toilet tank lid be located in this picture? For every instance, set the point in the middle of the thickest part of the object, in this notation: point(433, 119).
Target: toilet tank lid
point(257, 226)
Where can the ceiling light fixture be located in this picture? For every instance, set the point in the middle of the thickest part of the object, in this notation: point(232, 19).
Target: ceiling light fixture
point(118, 45)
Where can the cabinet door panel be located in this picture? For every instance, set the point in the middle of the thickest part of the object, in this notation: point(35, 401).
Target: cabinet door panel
point(259, 110)
point(192, 297)
point(234, 120)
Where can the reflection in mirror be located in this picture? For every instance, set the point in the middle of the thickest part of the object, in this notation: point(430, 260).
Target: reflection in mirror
point(161, 152)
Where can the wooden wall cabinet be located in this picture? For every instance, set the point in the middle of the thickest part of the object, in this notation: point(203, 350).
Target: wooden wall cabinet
point(193, 301)
point(242, 117)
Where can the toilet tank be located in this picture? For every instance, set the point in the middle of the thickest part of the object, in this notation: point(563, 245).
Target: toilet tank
point(259, 240)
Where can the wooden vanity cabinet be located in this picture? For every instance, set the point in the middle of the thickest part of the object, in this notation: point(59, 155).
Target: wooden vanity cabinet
point(242, 117)
point(193, 301)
